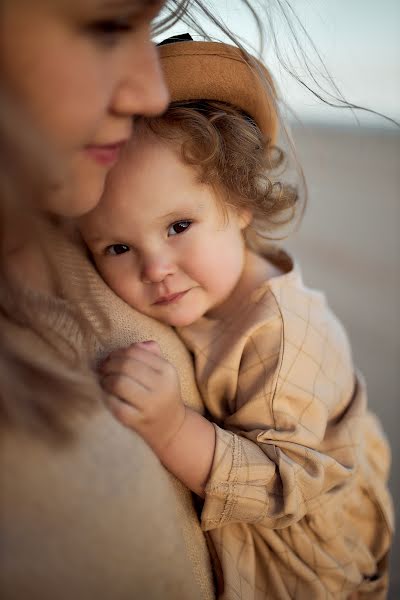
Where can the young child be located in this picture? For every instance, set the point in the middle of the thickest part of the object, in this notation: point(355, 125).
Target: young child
point(291, 465)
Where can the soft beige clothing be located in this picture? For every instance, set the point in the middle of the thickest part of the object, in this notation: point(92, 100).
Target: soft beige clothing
point(100, 518)
point(296, 504)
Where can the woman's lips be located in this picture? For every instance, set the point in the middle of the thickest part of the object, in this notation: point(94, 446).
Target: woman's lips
point(171, 298)
point(107, 154)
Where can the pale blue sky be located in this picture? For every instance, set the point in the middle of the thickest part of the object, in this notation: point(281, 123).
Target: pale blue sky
point(359, 41)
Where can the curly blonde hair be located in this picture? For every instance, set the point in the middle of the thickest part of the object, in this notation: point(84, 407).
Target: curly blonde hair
point(230, 153)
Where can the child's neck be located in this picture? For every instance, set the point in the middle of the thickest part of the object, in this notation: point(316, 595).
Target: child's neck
point(256, 270)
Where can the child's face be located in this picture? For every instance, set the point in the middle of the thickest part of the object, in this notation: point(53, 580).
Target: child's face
point(80, 69)
point(160, 240)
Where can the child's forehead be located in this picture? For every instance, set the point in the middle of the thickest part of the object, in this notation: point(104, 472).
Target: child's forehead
point(124, 203)
point(145, 156)
point(152, 173)
point(151, 185)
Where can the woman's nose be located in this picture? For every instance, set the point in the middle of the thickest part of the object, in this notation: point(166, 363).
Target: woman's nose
point(142, 89)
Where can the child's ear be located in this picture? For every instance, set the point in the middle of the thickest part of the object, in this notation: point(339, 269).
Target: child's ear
point(245, 217)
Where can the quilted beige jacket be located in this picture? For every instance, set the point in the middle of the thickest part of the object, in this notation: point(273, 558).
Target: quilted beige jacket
point(296, 504)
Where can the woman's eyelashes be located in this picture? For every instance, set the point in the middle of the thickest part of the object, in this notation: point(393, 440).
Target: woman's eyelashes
point(179, 227)
point(116, 249)
point(108, 32)
point(110, 28)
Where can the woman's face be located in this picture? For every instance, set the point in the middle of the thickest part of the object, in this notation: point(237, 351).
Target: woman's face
point(80, 69)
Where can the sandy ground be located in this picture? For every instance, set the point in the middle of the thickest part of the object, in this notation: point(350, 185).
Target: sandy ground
point(349, 246)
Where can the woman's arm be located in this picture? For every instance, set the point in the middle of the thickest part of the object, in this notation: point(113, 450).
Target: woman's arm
point(92, 519)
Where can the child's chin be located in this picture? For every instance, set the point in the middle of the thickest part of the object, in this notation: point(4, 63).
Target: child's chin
point(181, 320)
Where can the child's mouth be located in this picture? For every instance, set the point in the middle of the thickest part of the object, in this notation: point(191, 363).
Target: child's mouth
point(170, 299)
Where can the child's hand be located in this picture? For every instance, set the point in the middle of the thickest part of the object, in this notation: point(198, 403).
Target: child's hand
point(144, 393)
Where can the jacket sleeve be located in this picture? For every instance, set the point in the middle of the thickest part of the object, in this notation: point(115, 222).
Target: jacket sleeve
point(294, 437)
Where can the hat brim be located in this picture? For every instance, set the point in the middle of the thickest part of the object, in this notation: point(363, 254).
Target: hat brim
point(217, 71)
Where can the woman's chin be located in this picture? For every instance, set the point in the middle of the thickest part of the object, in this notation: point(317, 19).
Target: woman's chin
point(77, 196)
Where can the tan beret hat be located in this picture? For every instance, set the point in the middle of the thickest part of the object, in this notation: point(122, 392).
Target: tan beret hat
point(216, 71)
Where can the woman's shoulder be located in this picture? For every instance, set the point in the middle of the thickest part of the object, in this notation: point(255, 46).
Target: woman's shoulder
point(92, 518)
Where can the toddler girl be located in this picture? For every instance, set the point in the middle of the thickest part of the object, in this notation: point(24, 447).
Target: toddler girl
point(291, 465)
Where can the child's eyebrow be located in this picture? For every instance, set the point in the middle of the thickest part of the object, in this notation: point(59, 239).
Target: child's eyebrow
point(183, 212)
point(94, 239)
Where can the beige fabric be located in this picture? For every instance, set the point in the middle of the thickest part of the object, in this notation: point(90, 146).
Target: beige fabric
point(296, 504)
point(99, 518)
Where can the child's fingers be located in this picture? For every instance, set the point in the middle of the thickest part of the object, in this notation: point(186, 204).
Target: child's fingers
point(136, 376)
point(138, 352)
point(141, 372)
point(149, 370)
point(129, 390)
point(125, 413)
point(150, 346)
point(128, 365)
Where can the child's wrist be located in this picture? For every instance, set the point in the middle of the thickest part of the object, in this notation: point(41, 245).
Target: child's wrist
point(161, 446)
point(189, 453)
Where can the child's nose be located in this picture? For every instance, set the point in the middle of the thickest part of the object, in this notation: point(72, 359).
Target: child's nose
point(156, 269)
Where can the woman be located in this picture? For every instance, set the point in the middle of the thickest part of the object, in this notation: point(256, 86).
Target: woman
point(86, 510)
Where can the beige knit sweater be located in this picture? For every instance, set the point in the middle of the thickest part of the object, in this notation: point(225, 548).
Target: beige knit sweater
point(296, 503)
point(99, 518)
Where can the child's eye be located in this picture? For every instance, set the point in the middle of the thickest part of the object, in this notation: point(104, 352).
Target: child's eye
point(179, 227)
point(116, 249)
